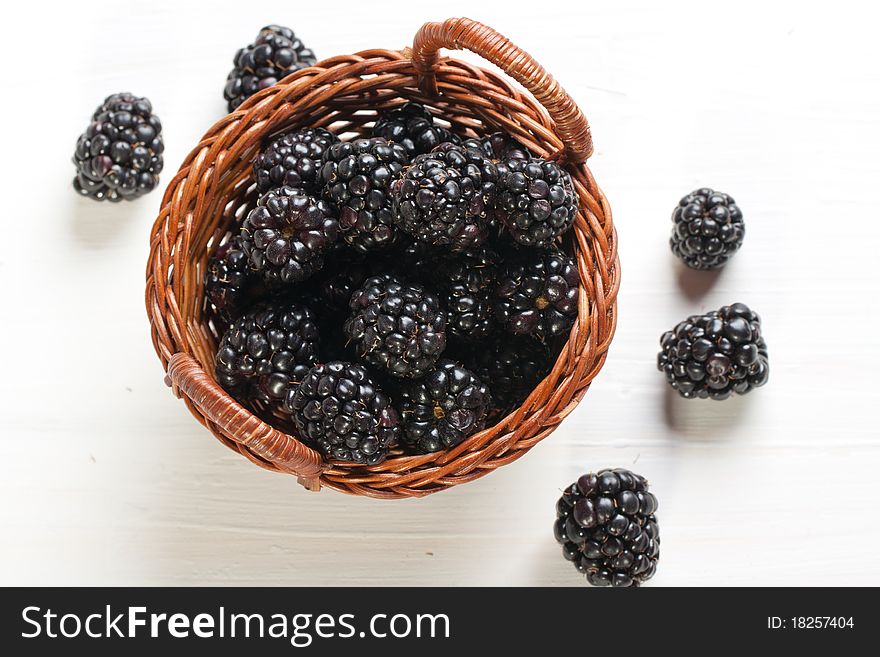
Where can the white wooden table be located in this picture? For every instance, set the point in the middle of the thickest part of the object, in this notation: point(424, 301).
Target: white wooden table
point(106, 479)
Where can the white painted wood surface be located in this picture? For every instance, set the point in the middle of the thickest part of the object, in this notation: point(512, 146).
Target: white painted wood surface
point(106, 479)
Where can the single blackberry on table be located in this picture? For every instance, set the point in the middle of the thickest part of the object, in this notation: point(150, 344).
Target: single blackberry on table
point(537, 293)
point(266, 350)
point(287, 235)
point(536, 201)
point(274, 54)
point(442, 409)
point(445, 197)
point(716, 354)
point(412, 126)
point(708, 229)
point(356, 177)
point(512, 366)
point(119, 156)
point(230, 283)
point(606, 525)
point(498, 146)
point(338, 408)
point(466, 283)
point(397, 326)
point(293, 159)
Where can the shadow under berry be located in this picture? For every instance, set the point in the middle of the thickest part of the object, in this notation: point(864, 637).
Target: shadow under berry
point(100, 224)
point(703, 420)
point(696, 283)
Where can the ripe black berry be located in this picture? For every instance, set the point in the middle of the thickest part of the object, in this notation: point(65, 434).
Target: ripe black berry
point(397, 326)
point(287, 234)
point(274, 54)
point(606, 525)
point(338, 408)
point(412, 126)
point(266, 350)
point(716, 354)
point(498, 146)
point(536, 201)
point(466, 283)
point(293, 159)
point(230, 283)
point(119, 156)
point(537, 293)
point(512, 366)
point(356, 177)
point(439, 411)
point(444, 197)
point(708, 229)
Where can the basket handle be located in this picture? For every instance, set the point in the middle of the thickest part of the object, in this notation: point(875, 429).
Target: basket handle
point(458, 33)
point(240, 425)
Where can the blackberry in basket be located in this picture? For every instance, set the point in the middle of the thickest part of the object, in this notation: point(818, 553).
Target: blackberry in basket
point(397, 326)
point(356, 177)
point(293, 159)
point(536, 201)
point(274, 54)
point(606, 525)
point(444, 197)
point(512, 366)
point(412, 126)
point(339, 408)
point(708, 229)
point(467, 282)
point(266, 350)
point(537, 293)
point(287, 235)
point(439, 411)
point(230, 283)
point(498, 146)
point(716, 354)
point(119, 156)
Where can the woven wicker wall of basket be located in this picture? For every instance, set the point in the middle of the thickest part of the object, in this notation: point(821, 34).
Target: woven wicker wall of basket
point(343, 94)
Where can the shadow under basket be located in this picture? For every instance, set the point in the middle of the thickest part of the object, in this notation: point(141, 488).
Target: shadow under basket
point(213, 189)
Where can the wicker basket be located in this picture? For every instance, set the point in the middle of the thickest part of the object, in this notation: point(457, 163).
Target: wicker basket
point(212, 188)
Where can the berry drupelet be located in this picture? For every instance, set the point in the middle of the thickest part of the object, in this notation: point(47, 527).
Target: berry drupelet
point(512, 366)
point(536, 201)
point(293, 159)
point(439, 411)
point(119, 156)
point(287, 234)
point(412, 126)
point(230, 283)
point(338, 408)
point(275, 53)
point(537, 293)
point(716, 354)
point(266, 350)
point(356, 177)
point(444, 198)
point(708, 229)
point(396, 325)
point(606, 525)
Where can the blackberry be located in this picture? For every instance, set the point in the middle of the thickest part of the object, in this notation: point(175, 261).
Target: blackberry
point(339, 409)
point(396, 325)
point(412, 126)
point(119, 156)
point(293, 159)
point(499, 147)
point(439, 411)
point(716, 354)
point(287, 234)
point(467, 283)
point(512, 366)
point(356, 177)
point(444, 198)
point(274, 54)
point(536, 201)
point(708, 229)
point(266, 350)
point(230, 283)
point(606, 525)
point(537, 293)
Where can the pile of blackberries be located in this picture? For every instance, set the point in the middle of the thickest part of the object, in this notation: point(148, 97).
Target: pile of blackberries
point(395, 291)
